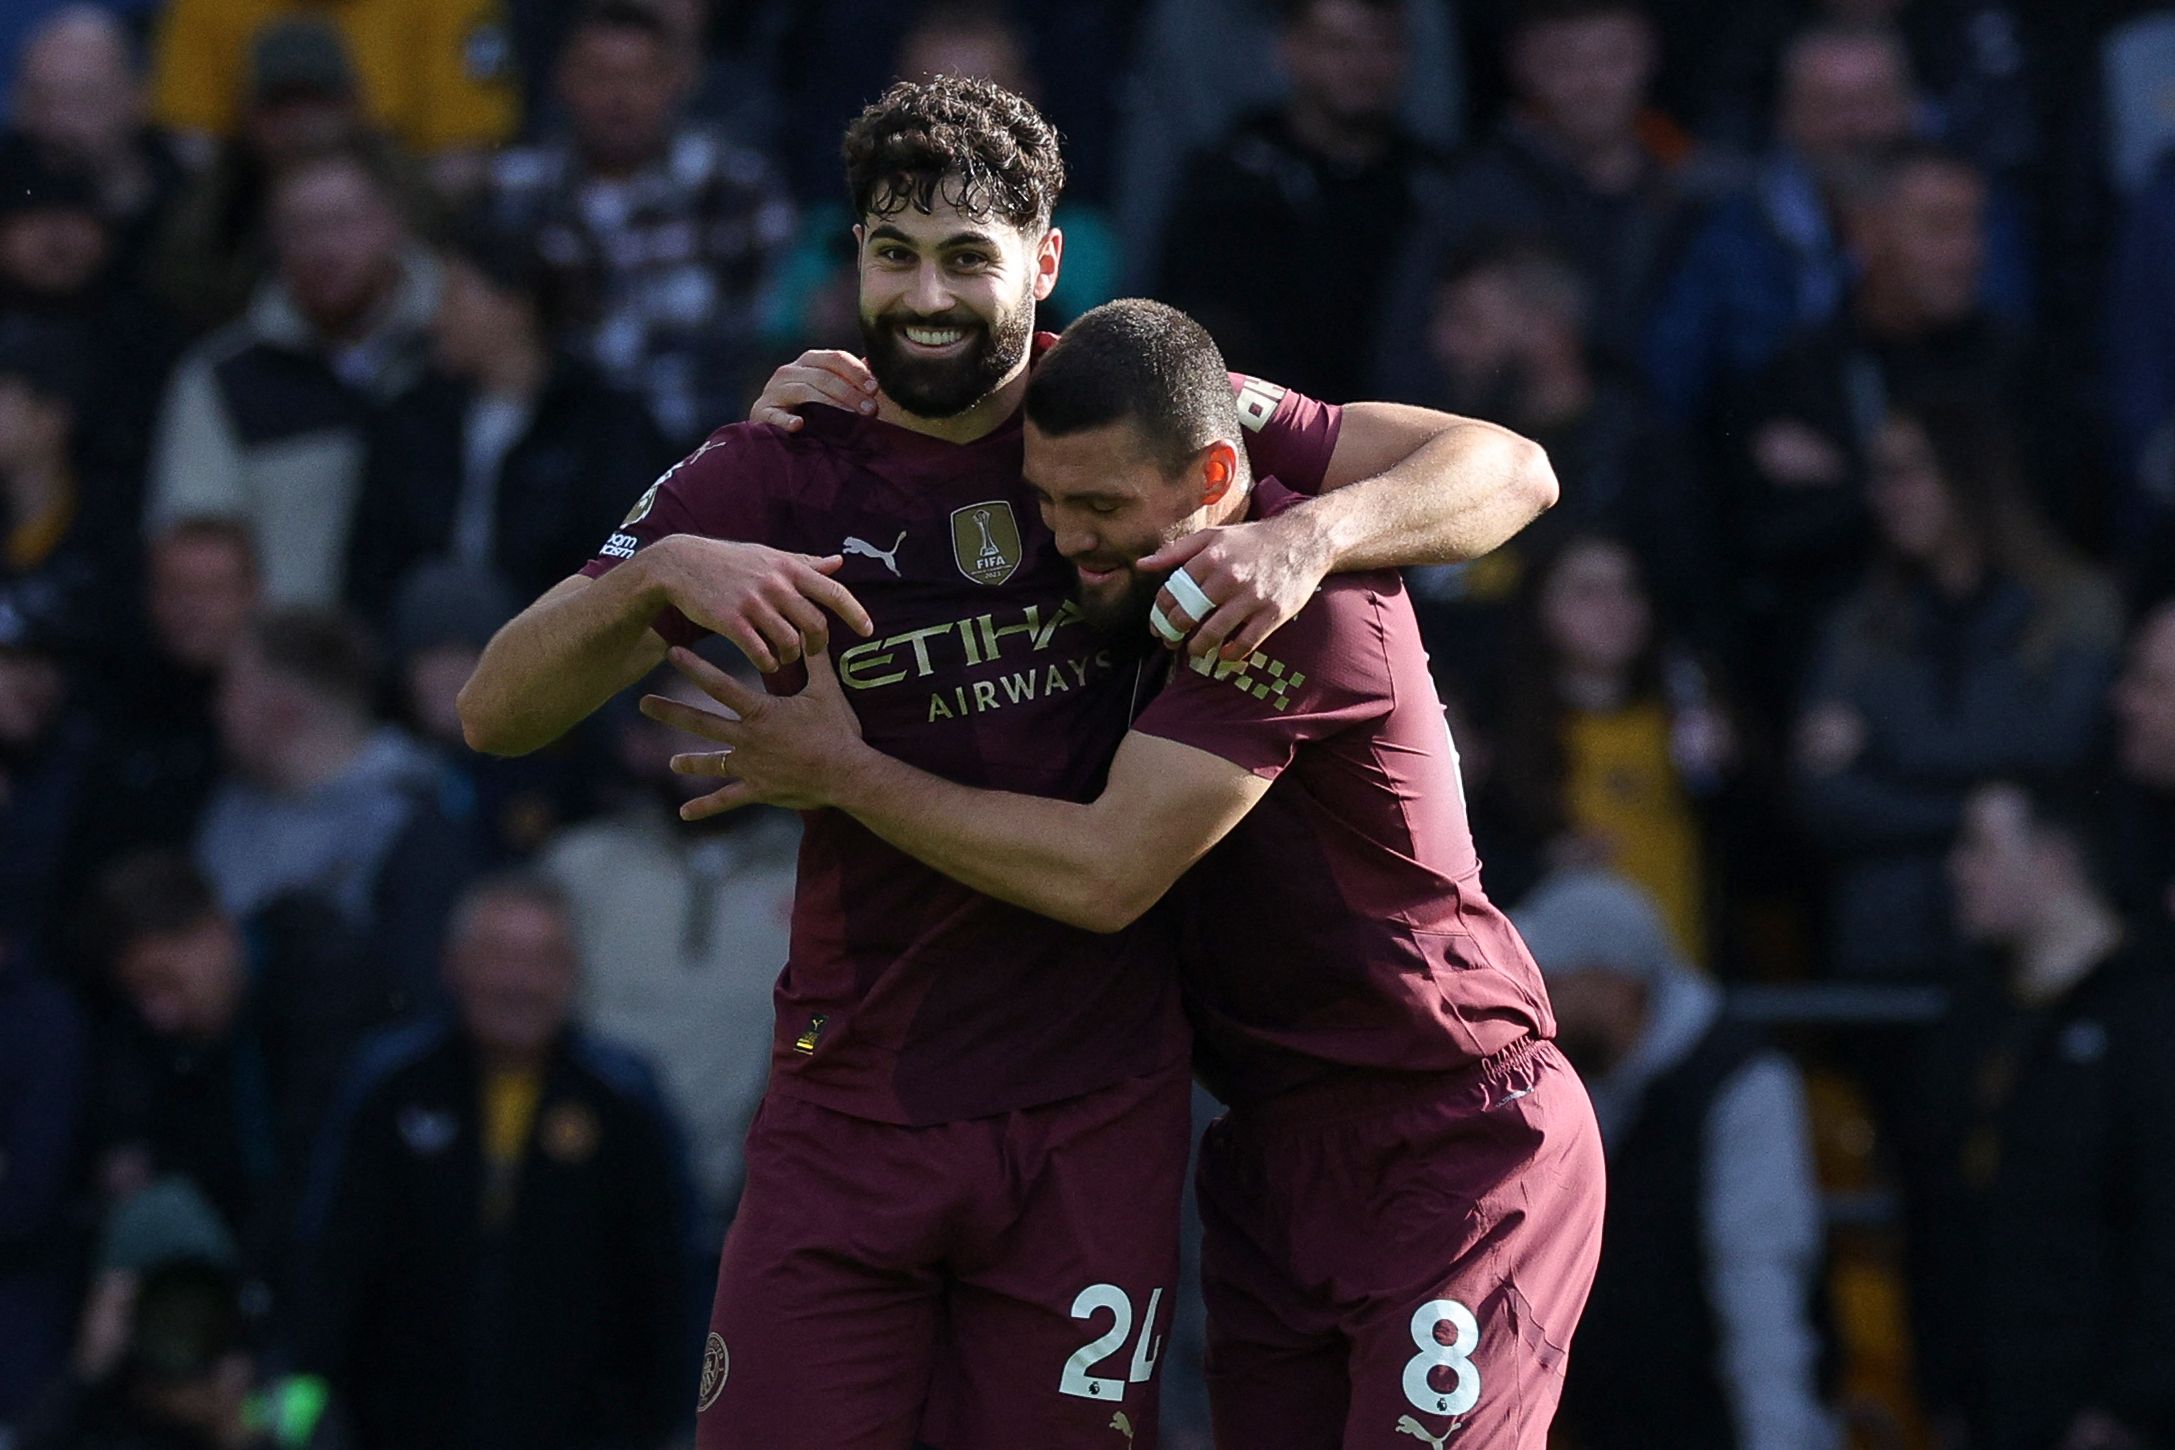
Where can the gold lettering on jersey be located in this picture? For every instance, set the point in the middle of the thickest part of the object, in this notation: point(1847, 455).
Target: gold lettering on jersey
point(1265, 679)
point(1017, 688)
point(1008, 637)
point(986, 541)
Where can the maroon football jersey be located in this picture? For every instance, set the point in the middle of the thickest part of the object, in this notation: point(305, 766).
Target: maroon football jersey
point(909, 998)
point(1341, 924)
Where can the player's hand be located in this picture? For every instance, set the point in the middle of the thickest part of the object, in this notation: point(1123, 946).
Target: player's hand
point(767, 601)
point(822, 375)
point(1254, 577)
point(780, 750)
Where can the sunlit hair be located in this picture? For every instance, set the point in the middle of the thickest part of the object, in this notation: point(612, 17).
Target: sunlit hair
point(970, 144)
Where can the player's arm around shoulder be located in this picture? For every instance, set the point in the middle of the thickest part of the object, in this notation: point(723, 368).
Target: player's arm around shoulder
point(1400, 486)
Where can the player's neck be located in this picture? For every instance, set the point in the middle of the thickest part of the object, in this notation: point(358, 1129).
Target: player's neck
point(983, 418)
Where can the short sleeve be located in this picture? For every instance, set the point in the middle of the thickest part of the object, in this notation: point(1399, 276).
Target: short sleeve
point(723, 490)
point(1289, 436)
point(1324, 672)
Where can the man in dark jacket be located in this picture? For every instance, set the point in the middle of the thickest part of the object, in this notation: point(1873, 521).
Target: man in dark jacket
point(1286, 233)
point(498, 1232)
point(517, 457)
point(2042, 1259)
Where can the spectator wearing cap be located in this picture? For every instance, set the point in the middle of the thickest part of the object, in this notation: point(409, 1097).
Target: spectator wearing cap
point(266, 420)
point(44, 1085)
point(229, 1036)
point(660, 235)
point(162, 1361)
point(78, 92)
point(688, 927)
point(497, 1232)
point(301, 98)
point(2041, 1151)
point(442, 618)
point(518, 459)
point(322, 799)
point(436, 74)
point(1701, 1316)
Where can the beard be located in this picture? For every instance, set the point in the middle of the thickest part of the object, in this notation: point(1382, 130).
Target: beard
point(947, 387)
point(1121, 615)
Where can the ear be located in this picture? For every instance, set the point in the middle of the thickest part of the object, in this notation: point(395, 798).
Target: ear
point(1219, 470)
point(1048, 253)
point(860, 237)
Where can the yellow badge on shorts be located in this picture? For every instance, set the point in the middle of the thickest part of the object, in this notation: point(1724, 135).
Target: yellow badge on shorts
point(716, 1364)
point(986, 541)
point(571, 1132)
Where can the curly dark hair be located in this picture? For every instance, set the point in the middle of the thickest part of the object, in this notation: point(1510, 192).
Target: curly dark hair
point(970, 143)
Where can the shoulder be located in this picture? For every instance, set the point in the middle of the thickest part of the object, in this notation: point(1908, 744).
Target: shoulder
point(392, 1060)
point(619, 1071)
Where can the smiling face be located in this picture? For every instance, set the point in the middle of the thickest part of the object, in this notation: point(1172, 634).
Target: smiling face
point(948, 303)
point(1111, 501)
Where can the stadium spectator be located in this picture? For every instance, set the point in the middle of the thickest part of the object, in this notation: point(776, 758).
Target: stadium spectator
point(1508, 333)
point(1612, 747)
point(1714, 1236)
point(58, 270)
point(266, 420)
point(660, 235)
point(78, 92)
point(517, 459)
point(2044, 1149)
point(157, 741)
point(1311, 202)
point(215, 246)
point(1570, 165)
point(322, 799)
point(43, 1085)
point(442, 618)
point(437, 74)
point(221, 1062)
point(162, 1360)
point(48, 760)
point(1771, 260)
point(65, 528)
point(1200, 65)
point(1977, 647)
point(1795, 490)
point(687, 925)
point(497, 1238)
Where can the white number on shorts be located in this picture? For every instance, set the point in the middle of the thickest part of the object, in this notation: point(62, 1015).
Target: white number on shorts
point(1456, 1356)
point(1092, 1301)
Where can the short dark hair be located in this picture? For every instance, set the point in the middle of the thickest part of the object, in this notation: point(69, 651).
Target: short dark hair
point(969, 143)
point(145, 894)
point(507, 258)
point(327, 652)
point(1290, 13)
point(1141, 362)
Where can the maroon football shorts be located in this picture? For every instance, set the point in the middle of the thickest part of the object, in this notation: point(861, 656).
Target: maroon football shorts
point(984, 1285)
point(1396, 1267)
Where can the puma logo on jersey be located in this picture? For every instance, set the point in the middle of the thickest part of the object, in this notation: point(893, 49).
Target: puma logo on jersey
point(1122, 1425)
point(868, 550)
point(1406, 1425)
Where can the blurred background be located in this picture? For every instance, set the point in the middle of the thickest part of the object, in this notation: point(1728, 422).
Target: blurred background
point(358, 1090)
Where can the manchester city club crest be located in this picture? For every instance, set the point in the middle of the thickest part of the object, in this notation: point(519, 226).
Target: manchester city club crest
point(986, 541)
point(716, 1365)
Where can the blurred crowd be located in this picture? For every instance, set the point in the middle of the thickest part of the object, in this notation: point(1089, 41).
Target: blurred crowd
point(359, 1090)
